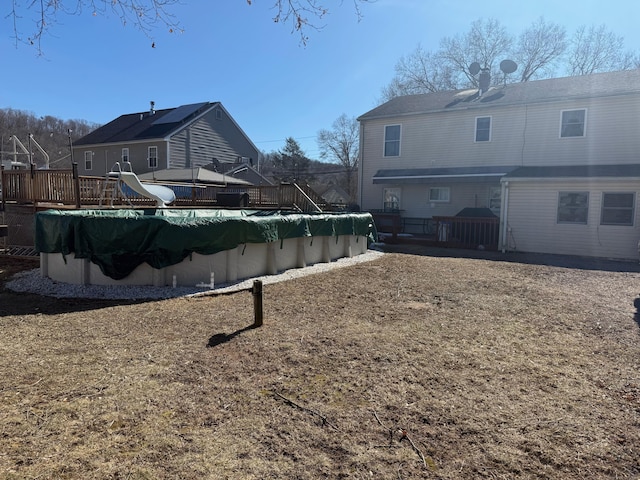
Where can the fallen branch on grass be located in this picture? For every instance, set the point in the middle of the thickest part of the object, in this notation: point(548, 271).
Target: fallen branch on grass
point(313, 412)
point(403, 436)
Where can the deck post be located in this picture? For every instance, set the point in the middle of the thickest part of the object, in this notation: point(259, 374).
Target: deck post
point(76, 184)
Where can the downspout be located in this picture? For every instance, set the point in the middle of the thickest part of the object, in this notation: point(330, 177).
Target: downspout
point(361, 167)
point(504, 216)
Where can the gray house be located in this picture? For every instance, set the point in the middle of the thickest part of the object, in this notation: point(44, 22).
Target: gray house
point(188, 136)
point(557, 160)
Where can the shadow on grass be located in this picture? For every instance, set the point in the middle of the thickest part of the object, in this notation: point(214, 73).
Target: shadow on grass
point(30, 304)
point(563, 261)
point(220, 338)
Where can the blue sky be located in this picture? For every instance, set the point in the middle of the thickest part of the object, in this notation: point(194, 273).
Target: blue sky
point(95, 69)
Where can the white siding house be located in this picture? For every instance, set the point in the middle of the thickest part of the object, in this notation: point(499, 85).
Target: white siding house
point(557, 160)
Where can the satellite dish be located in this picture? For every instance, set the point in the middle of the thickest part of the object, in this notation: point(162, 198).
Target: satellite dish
point(508, 66)
point(474, 68)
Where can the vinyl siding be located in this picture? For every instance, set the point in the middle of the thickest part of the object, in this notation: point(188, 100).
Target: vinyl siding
point(532, 220)
point(105, 157)
point(209, 138)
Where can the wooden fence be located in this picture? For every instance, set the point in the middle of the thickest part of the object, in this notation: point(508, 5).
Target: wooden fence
point(65, 187)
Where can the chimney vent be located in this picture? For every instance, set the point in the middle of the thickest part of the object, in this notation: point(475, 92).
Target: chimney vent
point(152, 109)
point(484, 80)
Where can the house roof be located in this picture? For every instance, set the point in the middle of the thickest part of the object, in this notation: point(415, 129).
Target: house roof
point(435, 175)
point(197, 175)
point(538, 91)
point(146, 125)
point(575, 172)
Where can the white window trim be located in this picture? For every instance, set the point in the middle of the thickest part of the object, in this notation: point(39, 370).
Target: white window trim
point(125, 150)
point(564, 222)
point(149, 156)
point(88, 160)
point(384, 143)
point(475, 130)
point(633, 210)
point(447, 200)
point(584, 127)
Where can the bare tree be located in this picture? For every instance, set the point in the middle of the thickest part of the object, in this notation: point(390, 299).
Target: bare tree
point(420, 72)
point(304, 14)
point(539, 52)
point(42, 15)
point(33, 19)
point(341, 145)
point(487, 43)
point(539, 49)
point(595, 49)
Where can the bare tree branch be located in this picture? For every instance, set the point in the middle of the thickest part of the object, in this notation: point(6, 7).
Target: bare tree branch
point(38, 17)
point(341, 144)
point(33, 20)
point(595, 49)
point(539, 48)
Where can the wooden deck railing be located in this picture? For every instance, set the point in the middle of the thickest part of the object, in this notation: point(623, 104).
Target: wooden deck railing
point(63, 187)
point(467, 232)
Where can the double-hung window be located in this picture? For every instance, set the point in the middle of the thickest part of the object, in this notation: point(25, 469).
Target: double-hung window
point(88, 160)
point(617, 208)
point(573, 123)
point(573, 207)
point(483, 129)
point(392, 141)
point(153, 157)
point(125, 154)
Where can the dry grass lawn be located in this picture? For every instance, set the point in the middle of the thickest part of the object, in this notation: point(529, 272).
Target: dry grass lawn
point(412, 366)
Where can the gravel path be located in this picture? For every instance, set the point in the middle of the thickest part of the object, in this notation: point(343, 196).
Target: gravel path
point(31, 282)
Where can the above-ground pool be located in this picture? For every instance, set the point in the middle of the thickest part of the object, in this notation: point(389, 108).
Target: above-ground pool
point(164, 247)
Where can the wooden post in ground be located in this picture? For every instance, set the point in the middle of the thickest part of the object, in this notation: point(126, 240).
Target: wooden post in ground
point(257, 303)
point(76, 184)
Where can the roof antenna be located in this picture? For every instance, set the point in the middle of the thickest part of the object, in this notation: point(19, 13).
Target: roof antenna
point(152, 108)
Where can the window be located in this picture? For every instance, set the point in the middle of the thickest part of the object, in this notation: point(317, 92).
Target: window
point(483, 129)
point(125, 154)
point(439, 194)
point(391, 199)
point(88, 160)
point(617, 208)
point(573, 123)
point(573, 207)
point(392, 141)
point(153, 157)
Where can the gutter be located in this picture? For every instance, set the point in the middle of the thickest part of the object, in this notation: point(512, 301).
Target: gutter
point(462, 175)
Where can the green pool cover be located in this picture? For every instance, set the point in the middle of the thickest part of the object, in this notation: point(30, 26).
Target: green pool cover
point(120, 240)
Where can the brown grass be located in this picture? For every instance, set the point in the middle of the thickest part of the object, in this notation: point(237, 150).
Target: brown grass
point(410, 366)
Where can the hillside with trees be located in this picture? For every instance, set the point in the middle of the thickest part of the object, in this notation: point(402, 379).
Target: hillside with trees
point(50, 132)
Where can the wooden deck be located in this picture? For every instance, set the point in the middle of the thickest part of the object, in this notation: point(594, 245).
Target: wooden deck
point(64, 188)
